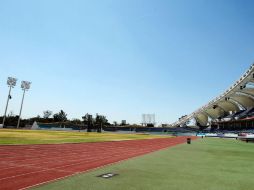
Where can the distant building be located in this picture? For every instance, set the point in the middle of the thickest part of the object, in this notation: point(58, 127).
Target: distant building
point(148, 120)
point(123, 122)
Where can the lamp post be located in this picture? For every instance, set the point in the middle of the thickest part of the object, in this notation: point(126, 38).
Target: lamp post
point(11, 82)
point(25, 85)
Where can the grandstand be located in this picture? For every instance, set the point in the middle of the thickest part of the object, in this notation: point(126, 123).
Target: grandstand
point(233, 109)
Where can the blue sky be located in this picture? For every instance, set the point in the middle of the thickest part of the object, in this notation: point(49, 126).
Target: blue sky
point(123, 58)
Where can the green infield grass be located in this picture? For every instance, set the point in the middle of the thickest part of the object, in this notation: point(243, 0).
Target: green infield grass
point(206, 164)
point(12, 136)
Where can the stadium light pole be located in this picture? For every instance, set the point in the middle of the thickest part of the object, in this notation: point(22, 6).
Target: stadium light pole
point(25, 85)
point(11, 82)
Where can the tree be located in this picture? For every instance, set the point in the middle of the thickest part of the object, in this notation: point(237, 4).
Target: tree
point(88, 120)
point(60, 117)
point(100, 120)
point(76, 121)
point(47, 114)
point(11, 114)
point(182, 117)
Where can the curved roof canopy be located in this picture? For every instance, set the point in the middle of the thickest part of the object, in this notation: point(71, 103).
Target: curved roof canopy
point(237, 97)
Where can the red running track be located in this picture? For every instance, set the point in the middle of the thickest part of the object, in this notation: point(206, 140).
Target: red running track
point(23, 166)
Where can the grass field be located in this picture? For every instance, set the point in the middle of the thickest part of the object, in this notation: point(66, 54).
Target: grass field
point(207, 164)
point(12, 136)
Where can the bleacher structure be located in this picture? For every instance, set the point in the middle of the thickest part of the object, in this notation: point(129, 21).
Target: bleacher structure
point(233, 108)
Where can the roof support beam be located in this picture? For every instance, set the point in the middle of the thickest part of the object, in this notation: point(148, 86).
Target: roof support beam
point(211, 117)
point(245, 94)
point(237, 103)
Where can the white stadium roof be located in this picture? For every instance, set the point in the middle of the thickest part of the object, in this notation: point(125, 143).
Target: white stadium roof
point(237, 97)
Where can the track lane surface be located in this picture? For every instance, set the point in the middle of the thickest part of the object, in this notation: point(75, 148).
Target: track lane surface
point(23, 166)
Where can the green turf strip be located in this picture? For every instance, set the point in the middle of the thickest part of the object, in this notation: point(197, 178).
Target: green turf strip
point(206, 164)
point(14, 137)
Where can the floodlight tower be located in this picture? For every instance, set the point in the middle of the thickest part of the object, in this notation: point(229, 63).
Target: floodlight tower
point(11, 82)
point(25, 85)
